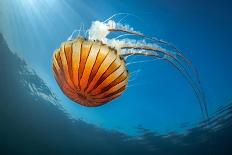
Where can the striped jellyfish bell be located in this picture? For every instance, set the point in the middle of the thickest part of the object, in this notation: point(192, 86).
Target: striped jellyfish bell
point(89, 72)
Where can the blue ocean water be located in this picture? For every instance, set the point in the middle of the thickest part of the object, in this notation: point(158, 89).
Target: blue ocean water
point(158, 113)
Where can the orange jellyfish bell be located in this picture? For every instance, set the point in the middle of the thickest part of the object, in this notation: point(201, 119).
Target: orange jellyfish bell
point(89, 72)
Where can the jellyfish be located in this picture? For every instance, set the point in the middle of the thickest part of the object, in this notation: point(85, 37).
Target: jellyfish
point(92, 70)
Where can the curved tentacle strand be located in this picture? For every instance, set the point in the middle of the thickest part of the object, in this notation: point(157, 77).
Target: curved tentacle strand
point(159, 53)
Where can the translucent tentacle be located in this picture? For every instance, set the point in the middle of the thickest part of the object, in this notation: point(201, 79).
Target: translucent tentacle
point(178, 53)
point(114, 15)
point(127, 31)
point(71, 36)
point(133, 75)
point(178, 65)
point(123, 36)
point(136, 62)
point(75, 31)
point(123, 18)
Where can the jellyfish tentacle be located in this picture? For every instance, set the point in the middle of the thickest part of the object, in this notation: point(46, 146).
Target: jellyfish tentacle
point(123, 18)
point(126, 31)
point(178, 65)
point(82, 29)
point(168, 54)
point(122, 36)
point(75, 31)
point(178, 52)
point(71, 36)
point(130, 31)
point(114, 15)
point(122, 13)
point(186, 75)
point(135, 72)
point(196, 88)
point(136, 62)
point(133, 75)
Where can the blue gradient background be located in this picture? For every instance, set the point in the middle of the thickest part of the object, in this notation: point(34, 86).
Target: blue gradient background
point(159, 99)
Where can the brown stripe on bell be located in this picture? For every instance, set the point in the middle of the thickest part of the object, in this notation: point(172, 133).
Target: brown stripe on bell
point(89, 72)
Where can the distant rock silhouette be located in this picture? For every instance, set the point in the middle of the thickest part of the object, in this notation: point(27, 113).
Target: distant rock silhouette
point(31, 122)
